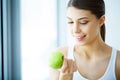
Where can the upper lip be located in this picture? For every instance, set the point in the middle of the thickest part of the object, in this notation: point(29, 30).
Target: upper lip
point(80, 36)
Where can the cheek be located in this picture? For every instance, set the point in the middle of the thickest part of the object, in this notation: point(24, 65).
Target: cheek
point(70, 30)
point(93, 32)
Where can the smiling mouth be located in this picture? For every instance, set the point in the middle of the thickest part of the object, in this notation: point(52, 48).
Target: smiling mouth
point(80, 38)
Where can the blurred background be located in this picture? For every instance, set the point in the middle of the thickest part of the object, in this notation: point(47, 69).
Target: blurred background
point(32, 29)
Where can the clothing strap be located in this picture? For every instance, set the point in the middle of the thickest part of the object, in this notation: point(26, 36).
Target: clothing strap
point(110, 72)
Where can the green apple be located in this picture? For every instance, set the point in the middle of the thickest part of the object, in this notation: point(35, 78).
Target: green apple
point(56, 60)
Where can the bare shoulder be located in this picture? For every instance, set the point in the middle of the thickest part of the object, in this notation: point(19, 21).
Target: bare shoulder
point(63, 49)
point(118, 65)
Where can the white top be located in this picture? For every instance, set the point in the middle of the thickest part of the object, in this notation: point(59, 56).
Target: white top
point(108, 75)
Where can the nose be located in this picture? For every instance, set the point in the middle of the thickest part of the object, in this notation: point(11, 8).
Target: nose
point(76, 28)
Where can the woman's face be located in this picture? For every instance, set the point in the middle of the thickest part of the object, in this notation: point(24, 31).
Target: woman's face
point(84, 26)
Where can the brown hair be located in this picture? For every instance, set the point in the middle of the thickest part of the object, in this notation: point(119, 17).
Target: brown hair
point(97, 7)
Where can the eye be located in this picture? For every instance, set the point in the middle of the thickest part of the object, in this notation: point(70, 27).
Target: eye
point(83, 22)
point(70, 22)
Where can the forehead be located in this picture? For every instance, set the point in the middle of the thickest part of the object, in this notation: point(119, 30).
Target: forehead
point(75, 13)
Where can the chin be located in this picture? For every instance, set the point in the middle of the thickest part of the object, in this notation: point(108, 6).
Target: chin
point(80, 43)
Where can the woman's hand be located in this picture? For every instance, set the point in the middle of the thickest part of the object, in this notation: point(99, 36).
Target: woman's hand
point(66, 71)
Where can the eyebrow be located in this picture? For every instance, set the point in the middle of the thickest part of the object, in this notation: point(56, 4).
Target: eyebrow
point(79, 18)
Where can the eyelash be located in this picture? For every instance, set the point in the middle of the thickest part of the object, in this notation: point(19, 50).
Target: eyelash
point(79, 22)
point(84, 23)
point(70, 22)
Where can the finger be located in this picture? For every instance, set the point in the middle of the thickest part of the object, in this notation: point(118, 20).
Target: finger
point(65, 66)
point(74, 66)
point(71, 66)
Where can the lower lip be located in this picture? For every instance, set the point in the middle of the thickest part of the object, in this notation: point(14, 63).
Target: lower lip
point(80, 38)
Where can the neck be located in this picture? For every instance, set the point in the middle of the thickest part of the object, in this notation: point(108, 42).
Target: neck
point(92, 49)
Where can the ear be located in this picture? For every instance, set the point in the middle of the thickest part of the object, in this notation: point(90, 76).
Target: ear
point(102, 20)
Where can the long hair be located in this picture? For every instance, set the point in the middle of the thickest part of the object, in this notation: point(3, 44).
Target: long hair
point(97, 7)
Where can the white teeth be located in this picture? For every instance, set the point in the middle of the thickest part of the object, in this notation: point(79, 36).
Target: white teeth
point(80, 36)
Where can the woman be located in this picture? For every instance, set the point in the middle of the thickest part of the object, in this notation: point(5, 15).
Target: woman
point(90, 58)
